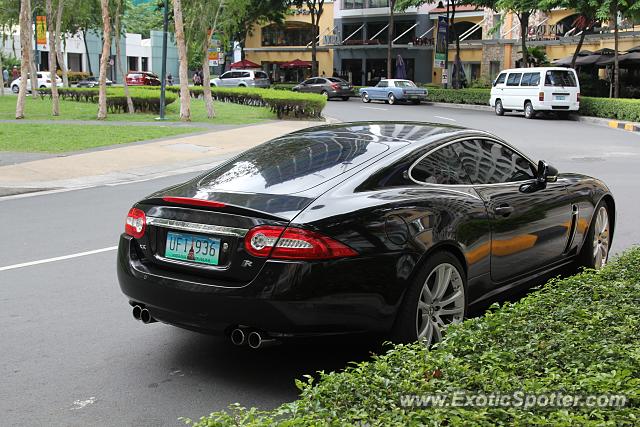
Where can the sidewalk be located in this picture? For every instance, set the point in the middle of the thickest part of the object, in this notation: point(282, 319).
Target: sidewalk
point(137, 162)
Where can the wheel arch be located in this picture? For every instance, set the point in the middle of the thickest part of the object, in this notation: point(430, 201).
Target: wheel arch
point(608, 198)
point(445, 246)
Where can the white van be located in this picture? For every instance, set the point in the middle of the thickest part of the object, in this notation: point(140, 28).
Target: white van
point(536, 89)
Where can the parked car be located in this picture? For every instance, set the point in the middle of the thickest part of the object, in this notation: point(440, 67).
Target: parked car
point(391, 227)
point(142, 78)
point(394, 90)
point(242, 78)
point(331, 87)
point(536, 89)
point(44, 81)
point(92, 81)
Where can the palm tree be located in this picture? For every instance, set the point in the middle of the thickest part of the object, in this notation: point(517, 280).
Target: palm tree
point(206, 78)
point(104, 59)
point(25, 47)
point(130, 108)
point(53, 65)
point(185, 100)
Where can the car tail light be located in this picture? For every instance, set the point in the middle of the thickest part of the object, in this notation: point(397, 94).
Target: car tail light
point(335, 86)
point(578, 97)
point(194, 202)
point(541, 96)
point(293, 243)
point(136, 223)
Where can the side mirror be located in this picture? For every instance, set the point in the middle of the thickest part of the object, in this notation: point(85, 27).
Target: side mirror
point(546, 172)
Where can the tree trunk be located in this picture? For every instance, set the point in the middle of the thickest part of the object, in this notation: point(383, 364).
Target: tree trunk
point(616, 68)
point(34, 67)
point(59, 51)
point(578, 48)
point(25, 47)
point(524, 24)
point(206, 77)
point(53, 65)
point(86, 51)
point(185, 99)
point(392, 5)
point(104, 59)
point(1, 77)
point(130, 108)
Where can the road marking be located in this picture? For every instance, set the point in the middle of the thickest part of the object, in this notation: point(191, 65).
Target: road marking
point(79, 404)
point(60, 258)
point(445, 118)
point(377, 108)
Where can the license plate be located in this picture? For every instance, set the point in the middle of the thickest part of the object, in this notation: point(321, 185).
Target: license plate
point(413, 96)
point(345, 87)
point(560, 98)
point(188, 247)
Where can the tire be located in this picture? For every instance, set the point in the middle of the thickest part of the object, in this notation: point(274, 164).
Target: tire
point(499, 108)
point(391, 99)
point(563, 115)
point(421, 315)
point(15, 88)
point(345, 98)
point(416, 102)
point(529, 112)
point(43, 87)
point(365, 97)
point(595, 249)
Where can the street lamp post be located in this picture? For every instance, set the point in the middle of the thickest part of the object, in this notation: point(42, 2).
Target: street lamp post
point(446, 58)
point(163, 72)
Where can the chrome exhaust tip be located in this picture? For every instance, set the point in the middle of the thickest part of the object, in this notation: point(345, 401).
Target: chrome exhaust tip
point(258, 340)
point(237, 336)
point(145, 316)
point(137, 311)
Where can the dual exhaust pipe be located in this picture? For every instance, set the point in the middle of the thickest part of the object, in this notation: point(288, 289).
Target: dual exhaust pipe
point(253, 338)
point(141, 313)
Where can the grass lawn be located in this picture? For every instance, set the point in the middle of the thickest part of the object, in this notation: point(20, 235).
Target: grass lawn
point(61, 138)
point(226, 113)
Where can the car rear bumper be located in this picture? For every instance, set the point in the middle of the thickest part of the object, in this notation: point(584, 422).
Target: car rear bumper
point(340, 93)
point(282, 299)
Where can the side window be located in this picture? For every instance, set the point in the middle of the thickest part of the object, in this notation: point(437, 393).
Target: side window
point(440, 167)
point(535, 79)
point(245, 74)
point(226, 75)
point(382, 83)
point(526, 78)
point(513, 79)
point(501, 78)
point(489, 162)
point(261, 75)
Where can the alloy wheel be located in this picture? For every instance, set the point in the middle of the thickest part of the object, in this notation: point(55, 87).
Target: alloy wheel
point(441, 303)
point(392, 99)
point(365, 97)
point(499, 108)
point(528, 111)
point(601, 238)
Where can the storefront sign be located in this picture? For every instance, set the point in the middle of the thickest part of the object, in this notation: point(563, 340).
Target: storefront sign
point(41, 30)
point(215, 51)
point(441, 42)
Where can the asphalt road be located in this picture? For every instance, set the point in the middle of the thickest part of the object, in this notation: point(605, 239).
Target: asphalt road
point(71, 354)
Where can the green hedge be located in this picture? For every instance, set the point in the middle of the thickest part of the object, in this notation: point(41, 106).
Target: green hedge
point(621, 109)
point(286, 104)
point(144, 101)
point(460, 96)
point(577, 336)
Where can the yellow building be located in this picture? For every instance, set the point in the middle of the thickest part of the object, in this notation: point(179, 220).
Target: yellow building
point(273, 46)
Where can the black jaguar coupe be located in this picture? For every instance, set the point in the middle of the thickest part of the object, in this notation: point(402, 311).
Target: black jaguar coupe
point(388, 227)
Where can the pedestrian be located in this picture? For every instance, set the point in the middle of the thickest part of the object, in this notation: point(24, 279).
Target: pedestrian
point(15, 73)
point(335, 73)
point(323, 75)
point(196, 79)
point(5, 76)
point(169, 79)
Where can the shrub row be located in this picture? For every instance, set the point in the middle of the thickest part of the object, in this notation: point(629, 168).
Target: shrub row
point(621, 109)
point(74, 76)
point(577, 336)
point(282, 103)
point(144, 101)
point(460, 96)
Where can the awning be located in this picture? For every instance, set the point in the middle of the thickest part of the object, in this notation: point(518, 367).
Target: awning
point(245, 63)
point(296, 63)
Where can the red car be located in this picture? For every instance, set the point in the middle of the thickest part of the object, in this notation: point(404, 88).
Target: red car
point(142, 78)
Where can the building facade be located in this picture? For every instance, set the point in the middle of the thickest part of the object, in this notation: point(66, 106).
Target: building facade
point(82, 55)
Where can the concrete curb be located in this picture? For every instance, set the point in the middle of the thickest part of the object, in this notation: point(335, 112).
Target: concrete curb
point(461, 106)
point(614, 124)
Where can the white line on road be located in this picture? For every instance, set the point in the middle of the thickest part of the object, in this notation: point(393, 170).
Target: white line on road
point(377, 108)
point(445, 118)
point(60, 258)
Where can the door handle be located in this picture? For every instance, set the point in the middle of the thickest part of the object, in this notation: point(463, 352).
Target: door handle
point(503, 210)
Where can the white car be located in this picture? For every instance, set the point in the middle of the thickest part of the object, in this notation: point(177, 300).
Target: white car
point(242, 78)
point(531, 90)
point(44, 81)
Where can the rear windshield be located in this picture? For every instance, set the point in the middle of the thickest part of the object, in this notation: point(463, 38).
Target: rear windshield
point(261, 75)
point(293, 164)
point(560, 78)
point(404, 83)
point(335, 80)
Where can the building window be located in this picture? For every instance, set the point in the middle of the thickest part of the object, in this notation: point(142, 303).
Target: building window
point(145, 64)
point(374, 28)
point(364, 4)
point(293, 34)
point(401, 27)
point(354, 32)
point(464, 26)
point(132, 63)
point(494, 69)
point(497, 26)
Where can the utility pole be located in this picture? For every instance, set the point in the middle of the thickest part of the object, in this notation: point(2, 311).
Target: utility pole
point(36, 57)
point(446, 58)
point(163, 73)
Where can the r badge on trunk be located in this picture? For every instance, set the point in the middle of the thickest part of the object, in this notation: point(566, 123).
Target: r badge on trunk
point(246, 263)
